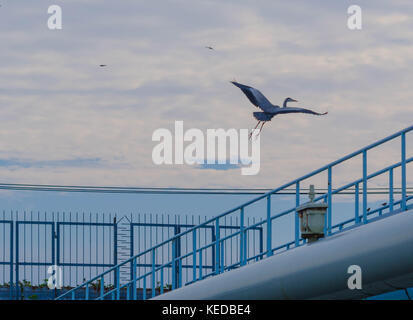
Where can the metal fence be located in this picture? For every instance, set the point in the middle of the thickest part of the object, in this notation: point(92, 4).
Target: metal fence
point(83, 245)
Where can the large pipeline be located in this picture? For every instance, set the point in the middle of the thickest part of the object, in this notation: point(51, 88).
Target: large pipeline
point(383, 249)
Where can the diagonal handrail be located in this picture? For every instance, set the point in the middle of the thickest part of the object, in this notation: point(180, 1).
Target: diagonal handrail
point(326, 197)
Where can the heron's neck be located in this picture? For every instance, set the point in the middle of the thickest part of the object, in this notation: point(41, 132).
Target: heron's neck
point(285, 103)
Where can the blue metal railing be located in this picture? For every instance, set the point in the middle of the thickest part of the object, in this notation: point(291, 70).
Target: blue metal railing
point(159, 264)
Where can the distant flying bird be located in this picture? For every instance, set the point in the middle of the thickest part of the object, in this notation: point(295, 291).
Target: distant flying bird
point(209, 47)
point(102, 65)
point(270, 110)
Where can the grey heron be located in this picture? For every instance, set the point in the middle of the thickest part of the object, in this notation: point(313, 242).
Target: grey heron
point(269, 110)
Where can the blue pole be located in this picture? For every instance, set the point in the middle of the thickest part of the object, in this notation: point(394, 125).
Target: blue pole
point(87, 291)
point(174, 281)
point(222, 256)
point(403, 162)
point(200, 264)
point(357, 204)
point(161, 285)
point(153, 272)
point(217, 244)
point(269, 227)
point(17, 261)
point(180, 273)
point(364, 186)
point(133, 264)
point(297, 220)
point(11, 260)
point(242, 235)
point(391, 194)
point(117, 284)
point(329, 200)
point(194, 255)
point(102, 286)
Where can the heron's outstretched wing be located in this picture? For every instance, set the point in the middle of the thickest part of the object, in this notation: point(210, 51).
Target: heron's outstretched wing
point(255, 96)
point(299, 110)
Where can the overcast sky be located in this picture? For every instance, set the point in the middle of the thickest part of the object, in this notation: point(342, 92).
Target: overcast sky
point(65, 120)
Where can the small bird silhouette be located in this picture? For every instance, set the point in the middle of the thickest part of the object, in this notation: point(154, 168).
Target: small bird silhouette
point(209, 47)
point(102, 65)
point(384, 204)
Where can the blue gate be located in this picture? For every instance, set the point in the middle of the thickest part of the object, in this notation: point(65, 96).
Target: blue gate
point(96, 248)
point(36, 255)
point(80, 245)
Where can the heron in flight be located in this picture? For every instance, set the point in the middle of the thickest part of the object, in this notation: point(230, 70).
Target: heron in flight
point(269, 110)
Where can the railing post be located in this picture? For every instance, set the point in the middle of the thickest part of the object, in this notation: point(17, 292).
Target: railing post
point(217, 245)
point(365, 186)
point(117, 283)
point(11, 260)
point(144, 288)
point(174, 280)
point(17, 262)
point(297, 219)
point(200, 264)
point(102, 286)
point(391, 194)
point(329, 200)
point(161, 284)
point(269, 227)
point(403, 162)
point(180, 273)
point(87, 292)
point(357, 203)
point(153, 272)
point(222, 256)
point(134, 279)
point(194, 255)
point(242, 236)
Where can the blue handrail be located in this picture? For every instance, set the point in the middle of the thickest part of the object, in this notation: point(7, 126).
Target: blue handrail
point(218, 244)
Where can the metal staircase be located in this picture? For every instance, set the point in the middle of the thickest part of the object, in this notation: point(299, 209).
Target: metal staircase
point(124, 247)
point(168, 267)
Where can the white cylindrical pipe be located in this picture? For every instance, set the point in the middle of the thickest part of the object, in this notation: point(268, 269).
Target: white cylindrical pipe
point(383, 249)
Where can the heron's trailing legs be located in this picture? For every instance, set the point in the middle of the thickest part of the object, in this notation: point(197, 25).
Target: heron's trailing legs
point(262, 125)
point(250, 135)
point(264, 122)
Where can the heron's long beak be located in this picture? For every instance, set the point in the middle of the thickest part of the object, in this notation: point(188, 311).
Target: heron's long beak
point(292, 100)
